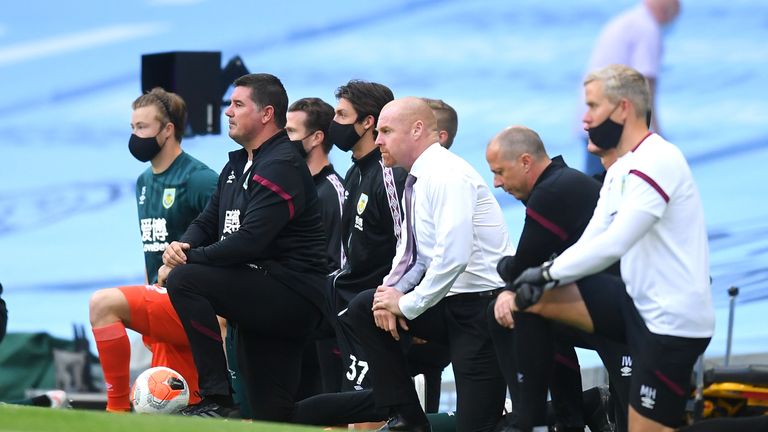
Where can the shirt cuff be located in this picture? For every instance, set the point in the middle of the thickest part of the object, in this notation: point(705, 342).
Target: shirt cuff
point(409, 305)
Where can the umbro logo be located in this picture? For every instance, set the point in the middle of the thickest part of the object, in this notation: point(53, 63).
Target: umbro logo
point(647, 396)
point(626, 366)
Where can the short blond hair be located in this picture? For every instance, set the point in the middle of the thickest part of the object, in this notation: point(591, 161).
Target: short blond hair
point(623, 82)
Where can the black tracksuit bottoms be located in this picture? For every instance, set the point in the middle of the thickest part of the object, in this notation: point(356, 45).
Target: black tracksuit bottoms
point(273, 322)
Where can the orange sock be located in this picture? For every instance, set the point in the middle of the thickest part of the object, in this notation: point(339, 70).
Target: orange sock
point(115, 355)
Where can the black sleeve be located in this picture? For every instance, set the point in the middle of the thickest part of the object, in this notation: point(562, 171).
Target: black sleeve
point(541, 236)
point(555, 217)
point(276, 195)
point(3, 316)
point(331, 214)
point(204, 229)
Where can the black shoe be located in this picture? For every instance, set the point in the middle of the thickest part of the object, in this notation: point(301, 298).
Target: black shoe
point(600, 420)
point(508, 424)
point(397, 423)
point(560, 428)
point(511, 428)
point(209, 408)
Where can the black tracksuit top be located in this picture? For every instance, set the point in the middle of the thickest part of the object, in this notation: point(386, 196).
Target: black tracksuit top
point(370, 223)
point(267, 216)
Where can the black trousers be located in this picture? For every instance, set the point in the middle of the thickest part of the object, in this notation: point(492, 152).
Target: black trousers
point(3, 316)
point(538, 355)
point(528, 386)
point(273, 322)
point(355, 369)
point(331, 409)
point(429, 359)
point(458, 322)
point(617, 361)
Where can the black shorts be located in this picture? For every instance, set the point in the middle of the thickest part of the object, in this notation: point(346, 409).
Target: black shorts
point(662, 365)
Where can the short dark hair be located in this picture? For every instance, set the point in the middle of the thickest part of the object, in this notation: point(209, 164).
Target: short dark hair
point(447, 119)
point(267, 90)
point(367, 98)
point(171, 108)
point(319, 116)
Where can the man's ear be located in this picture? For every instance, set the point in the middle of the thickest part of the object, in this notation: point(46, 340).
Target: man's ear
point(442, 137)
point(317, 139)
point(626, 107)
point(526, 160)
point(369, 122)
point(418, 129)
point(171, 129)
point(268, 114)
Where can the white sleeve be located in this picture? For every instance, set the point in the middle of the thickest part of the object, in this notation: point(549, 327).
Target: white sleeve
point(588, 257)
point(452, 209)
point(412, 276)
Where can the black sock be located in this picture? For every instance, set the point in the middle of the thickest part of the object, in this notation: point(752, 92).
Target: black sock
point(221, 400)
point(40, 401)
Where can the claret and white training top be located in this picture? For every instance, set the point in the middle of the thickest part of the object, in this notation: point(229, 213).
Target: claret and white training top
point(650, 215)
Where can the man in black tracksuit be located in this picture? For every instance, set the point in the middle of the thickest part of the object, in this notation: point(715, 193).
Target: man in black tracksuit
point(256, 256)
point(372, 217)
point(559, 203)
point(3, 316)
point(307, 123)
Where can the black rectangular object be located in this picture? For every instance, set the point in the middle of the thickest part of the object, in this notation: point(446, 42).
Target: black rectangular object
point(193, 75)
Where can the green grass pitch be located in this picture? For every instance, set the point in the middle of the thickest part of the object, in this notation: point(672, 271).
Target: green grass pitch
point(32, 419)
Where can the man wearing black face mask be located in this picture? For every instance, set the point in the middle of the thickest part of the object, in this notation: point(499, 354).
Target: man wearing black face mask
point(169, 195)
point(307, 122)
point(372, 216)
point(174, 183)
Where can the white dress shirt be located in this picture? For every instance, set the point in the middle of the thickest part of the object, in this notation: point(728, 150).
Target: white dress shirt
point(460, 233)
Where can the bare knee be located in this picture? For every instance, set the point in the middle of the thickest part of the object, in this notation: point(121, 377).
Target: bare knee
point(108, 306)
point(640, 423)
point(566, 305)
point(536, 308)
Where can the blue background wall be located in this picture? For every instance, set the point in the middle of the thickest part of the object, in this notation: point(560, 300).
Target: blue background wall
point(70, 70)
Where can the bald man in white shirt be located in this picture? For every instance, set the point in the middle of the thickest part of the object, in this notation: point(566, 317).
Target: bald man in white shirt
point(439, 291)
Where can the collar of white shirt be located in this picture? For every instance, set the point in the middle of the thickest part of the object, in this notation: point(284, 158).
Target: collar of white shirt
point(420, 165)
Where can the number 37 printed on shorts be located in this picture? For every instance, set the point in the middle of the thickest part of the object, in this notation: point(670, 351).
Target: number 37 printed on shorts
point(357, 370)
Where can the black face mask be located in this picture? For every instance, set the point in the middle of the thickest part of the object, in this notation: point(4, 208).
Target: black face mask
point(607, 134)
point(300, 148)
point(144, 149)
point(344, 136)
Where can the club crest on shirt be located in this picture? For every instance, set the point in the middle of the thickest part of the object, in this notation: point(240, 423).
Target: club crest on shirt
point(169, 196)
point(143, 196)
point(361, 203)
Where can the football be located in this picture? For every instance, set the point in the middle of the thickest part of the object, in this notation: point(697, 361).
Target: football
point(159, 390)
